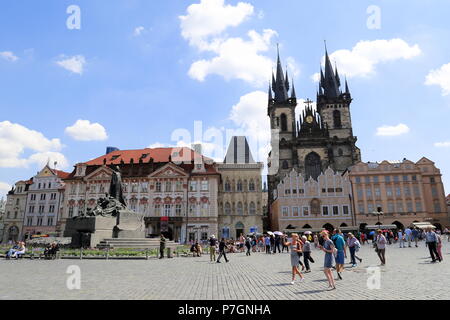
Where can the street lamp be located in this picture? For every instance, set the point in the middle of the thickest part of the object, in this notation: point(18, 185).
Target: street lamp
point(378, 213)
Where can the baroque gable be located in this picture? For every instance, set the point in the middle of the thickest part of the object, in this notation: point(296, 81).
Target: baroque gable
point(169, 170)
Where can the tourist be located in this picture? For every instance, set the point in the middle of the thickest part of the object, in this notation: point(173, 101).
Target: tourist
point(328, 248)
point(162, 246)
point(400, 238)
point(381, 247)
point(212, 248)
point(408, 234)
point(241, 242)
point(363, 238)
point(439, 246)
point(295, 247)
point(272, 243)
point(431, 239)
point(248, 245)
point(277, 244)
point(353, 244)
point(415, 235)
point(222, 247)
point(16, 251)
point(341, 253)
point(306, 250)
point(316, 241)
point(284, 241)
point(267, 243)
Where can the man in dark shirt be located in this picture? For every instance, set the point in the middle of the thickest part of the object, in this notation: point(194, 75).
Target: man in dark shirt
point(222, 247)
point(162, 246)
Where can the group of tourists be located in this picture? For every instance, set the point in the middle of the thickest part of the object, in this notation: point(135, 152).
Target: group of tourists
point(16, 250)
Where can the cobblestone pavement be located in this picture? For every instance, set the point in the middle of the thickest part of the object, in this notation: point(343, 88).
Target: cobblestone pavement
point(407, 275)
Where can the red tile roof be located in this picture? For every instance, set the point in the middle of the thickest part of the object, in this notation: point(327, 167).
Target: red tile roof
point(61, 174)
point(158, 155)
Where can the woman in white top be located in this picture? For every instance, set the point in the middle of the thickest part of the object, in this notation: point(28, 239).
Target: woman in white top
point(381, 247)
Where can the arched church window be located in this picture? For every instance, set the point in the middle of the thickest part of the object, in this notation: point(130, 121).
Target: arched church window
point(283, 122)
point(337, 118)
point(312, 165)
point(285, 165)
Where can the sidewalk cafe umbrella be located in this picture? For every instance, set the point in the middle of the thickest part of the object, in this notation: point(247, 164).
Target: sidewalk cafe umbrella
point(270, 233)
point(307, 232)
point(278, 233)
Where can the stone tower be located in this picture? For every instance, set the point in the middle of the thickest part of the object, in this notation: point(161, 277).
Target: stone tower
point(321, 139)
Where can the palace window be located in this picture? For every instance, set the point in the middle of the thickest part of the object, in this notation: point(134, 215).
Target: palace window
point(158, 186)
point(179, 185)
point(178, 210)
point(157, 210)
point(167, 210)
point(70, 212)
point(204, 185)
point(50, 221)
point(345, 210)
point(193, 186)
point(240, 209)
point(418, 206)
point(305, 211)
point(325, 211)
point(252, 208)
point(227, 186)
point(295, 212)
point(168, 186)
point(251, 186)
point(227, 208)
point(335, 210)
point(239, 186)
point(285, 211)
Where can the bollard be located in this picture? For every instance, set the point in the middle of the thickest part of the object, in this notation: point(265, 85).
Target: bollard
point(107, 253)
point(169, 252)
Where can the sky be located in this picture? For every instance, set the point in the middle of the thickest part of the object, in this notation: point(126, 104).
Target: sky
point(77, 76)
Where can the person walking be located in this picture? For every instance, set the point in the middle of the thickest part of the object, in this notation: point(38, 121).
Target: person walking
point(381, 247)
point(283, 242)
point(439, 246)
point(307, 253)
point(341, 253)
point(328, 248)
point(162, 246)
point(408, 235)
point(272, 243)
point(267, 243)
point(400, 238)
point(222, 247)
point(415, 236)
point(277, 244)
point(212, 248)
point(353, 244)
point(248, 245)
point(295, 249)
point(431, 239)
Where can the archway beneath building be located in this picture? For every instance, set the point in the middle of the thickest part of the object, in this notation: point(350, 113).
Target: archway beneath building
point(399, 225)
point(438, 226)
point(362, 226)
point(329, 227)
point(239, 229)
point(343, 225)
point(307, 226)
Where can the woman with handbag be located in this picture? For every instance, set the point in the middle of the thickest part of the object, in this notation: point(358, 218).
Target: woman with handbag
point(381, 247)
point(295, 247)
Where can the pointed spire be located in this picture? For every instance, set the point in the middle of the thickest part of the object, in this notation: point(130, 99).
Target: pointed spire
point(347, 91)
point(286, 80)
point(338, 80)
point(270, 93)
point(330, 83)
point(279, 84)
point(293, 96)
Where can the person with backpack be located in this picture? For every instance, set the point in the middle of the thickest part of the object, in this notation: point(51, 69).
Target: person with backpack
point(341, 253)
point(212, 248)
point(353, 245)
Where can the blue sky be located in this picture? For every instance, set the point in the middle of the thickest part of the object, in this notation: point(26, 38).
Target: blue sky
point(136, 72)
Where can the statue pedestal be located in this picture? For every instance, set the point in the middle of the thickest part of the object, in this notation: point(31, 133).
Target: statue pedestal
point(90, 231)
point(129, 225)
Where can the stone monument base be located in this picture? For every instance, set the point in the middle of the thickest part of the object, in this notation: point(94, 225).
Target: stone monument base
point(90, 231)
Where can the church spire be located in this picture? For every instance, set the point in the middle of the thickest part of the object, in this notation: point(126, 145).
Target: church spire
point(329, 81)
point(270, 93)
point(280, 85)
point(293, 96)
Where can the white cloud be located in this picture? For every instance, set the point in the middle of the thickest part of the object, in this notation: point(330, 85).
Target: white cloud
point(15, 139)
point(8, 55)
point(238, 59)
point(157, 145)
point(249, 114)
point(4, 188)
point(440, 77)
point(362, 60)
point(74, 64)
point(210, 18)
point(84, 130)
point(392, 130)
point(138, 31)
point(444, 144)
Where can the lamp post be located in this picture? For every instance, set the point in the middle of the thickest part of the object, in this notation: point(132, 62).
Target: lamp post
point(378, 213)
